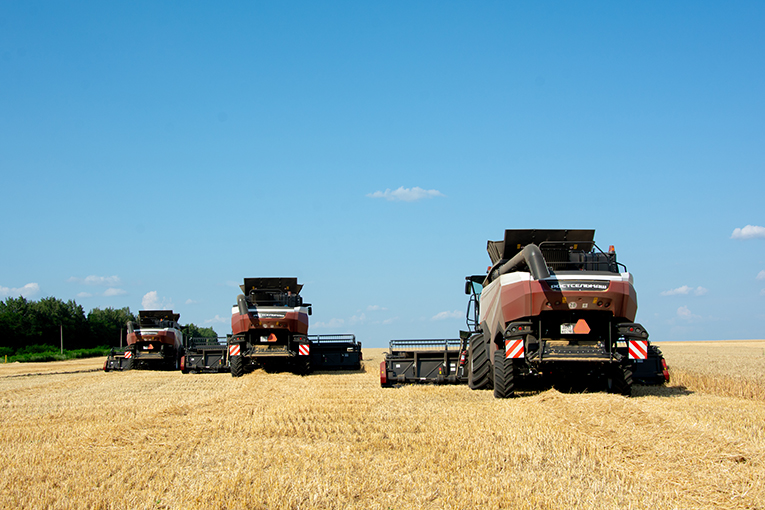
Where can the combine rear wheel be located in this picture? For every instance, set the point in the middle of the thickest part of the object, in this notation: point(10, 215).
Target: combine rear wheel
point(480, 366)
point(504, 375)
point(237, 366)
point(620, 380)
point(128, 364)
point(304, 367)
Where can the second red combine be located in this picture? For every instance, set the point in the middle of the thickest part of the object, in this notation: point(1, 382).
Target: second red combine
point(269, 325)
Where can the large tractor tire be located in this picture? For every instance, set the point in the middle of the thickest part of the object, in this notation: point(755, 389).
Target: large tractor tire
point(619, 380)
point(303, 366)
point(237, 366)
point(504, 375)
point(129, 364)
point(479, 375)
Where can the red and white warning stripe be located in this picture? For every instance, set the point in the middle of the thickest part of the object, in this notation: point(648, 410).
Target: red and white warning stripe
point(304, 349)
point(128, 354)
point(234, 350)
point(638, 349)
point(514, 348)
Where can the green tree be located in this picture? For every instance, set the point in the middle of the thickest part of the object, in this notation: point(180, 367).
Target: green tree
point(17, 323)
point(192, 330)
point(107, 326)
point(52, 315)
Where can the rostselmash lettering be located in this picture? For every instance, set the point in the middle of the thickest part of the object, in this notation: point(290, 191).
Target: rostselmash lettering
point(270, 315)
point(577, 286)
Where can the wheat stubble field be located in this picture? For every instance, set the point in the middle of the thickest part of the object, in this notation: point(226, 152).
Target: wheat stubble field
point(75, 438)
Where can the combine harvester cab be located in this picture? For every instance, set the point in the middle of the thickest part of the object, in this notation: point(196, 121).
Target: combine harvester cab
point(269, 327)
point(157, 343)
point(554, 305)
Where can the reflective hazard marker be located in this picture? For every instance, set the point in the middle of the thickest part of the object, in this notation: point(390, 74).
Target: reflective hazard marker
point(128, 354)
point(514, 348)
point(581, 327)
point(638, 349)
point(233, 350)
point(304, 349)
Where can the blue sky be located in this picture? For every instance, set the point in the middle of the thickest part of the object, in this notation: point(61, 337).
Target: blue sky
point(153, 154)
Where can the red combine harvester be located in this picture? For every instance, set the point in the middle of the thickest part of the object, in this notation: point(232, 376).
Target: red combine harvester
point(270, 330)
point(157, 343)
point(554, 309)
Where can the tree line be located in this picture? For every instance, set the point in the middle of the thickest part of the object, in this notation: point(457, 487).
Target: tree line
point(29, 325)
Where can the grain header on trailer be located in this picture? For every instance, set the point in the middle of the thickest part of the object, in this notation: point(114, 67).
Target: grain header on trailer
point(553, 308)
point(205, 355)
point(269, 326)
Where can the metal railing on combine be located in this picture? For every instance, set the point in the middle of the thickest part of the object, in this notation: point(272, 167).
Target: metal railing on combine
point(328, 339)
point(446, 344)
point(199, 341)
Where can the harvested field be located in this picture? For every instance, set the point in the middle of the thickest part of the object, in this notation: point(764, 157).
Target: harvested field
point(337, 440)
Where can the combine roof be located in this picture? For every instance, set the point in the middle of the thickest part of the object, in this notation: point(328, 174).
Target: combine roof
point(515, 240)
point(271, 285)
point(159, 315)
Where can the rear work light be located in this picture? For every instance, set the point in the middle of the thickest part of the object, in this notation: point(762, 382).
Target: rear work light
point(383, 374)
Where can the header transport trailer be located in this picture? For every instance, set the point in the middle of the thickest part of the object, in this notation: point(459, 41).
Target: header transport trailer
point(269, 325)
point(553, 309)
point(205, 355)
point(155, 343)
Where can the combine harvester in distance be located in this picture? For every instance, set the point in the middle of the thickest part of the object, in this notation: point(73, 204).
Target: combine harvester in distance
point(156, 343)
point(269, 327)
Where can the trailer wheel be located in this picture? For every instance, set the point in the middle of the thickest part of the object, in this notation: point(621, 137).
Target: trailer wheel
point(128, 364)
point(478, 376)
point(504, 375)
point(620, 380)
point(237, 366)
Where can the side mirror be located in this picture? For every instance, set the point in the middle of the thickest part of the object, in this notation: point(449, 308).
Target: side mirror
point(468, 286)
point(310, 310)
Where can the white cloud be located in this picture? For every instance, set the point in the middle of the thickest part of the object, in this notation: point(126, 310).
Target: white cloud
point(191, 302)
point(406, 194)
point(762, 292)
point(112, 291)
point(216, 319)
point(28, 290)
point(84, 295)
point(685, 290)
point(680, 290)
point(108, 281)
point(456, 314)
point(102, 280)
point(374, 308)
point(151, 301)
point(390, 321)
point(761, 275)
point(685, 313)
point(748, 232)
point(357, 318)
point(332, 323)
